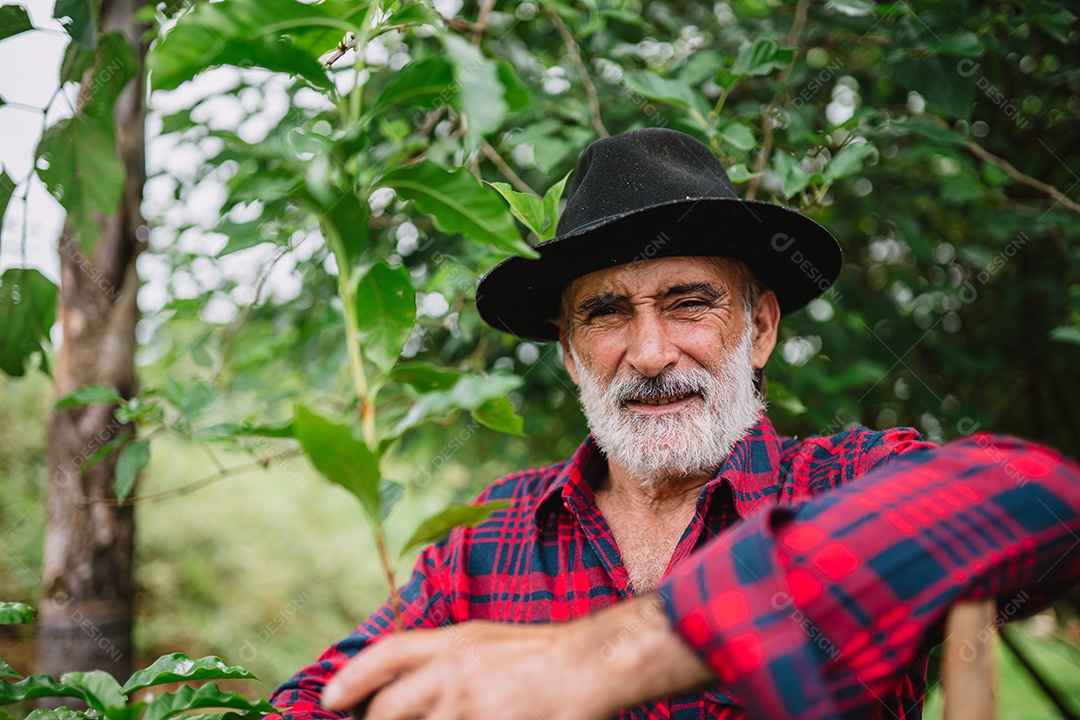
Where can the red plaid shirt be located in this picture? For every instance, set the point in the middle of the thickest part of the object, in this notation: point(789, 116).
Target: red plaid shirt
point(823, 608)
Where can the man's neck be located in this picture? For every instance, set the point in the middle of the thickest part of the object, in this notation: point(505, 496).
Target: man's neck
point(665, 495)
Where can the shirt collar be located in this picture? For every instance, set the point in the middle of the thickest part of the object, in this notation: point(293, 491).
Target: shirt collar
point(752, 468)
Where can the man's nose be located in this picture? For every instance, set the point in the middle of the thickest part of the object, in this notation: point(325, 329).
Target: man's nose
point(651, 348)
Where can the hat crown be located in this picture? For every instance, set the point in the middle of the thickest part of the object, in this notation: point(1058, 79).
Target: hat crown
point(640, 169)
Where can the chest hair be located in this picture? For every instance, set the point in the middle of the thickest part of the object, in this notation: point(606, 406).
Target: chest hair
point(646, 542)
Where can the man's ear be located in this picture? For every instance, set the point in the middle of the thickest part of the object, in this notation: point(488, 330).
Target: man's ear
point(765, 321)
point(568, 360)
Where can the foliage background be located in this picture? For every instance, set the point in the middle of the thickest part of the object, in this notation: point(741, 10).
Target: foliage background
point(959, 305)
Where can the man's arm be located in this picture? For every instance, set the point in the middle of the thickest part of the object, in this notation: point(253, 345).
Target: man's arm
point(424, 605)
point(807, 612)
point(813, 611)
point(589, 668)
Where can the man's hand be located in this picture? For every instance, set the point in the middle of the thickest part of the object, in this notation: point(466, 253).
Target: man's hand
point(585, 669)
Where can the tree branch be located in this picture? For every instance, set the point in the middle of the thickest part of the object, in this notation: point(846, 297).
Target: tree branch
point(261, 464)
point(575, 58)
point(496, 159)
point(241, 317)
point(482, 20)
point(766, 116)
point(983, 154)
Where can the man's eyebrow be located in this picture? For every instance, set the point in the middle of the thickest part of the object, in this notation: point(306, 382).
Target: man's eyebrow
point(701, 288)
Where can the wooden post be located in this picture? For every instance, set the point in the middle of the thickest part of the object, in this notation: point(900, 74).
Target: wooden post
point(967, 671)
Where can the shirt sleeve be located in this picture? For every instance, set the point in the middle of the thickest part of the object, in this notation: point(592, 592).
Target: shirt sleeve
point(813, 611)
point(425, 604)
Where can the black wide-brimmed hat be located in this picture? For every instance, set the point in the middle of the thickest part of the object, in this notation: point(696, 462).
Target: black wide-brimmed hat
point(654, 193)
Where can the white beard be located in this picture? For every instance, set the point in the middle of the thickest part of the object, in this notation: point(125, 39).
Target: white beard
point(695, 441)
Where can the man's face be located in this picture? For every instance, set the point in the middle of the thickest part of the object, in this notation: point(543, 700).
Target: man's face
point(664, 353)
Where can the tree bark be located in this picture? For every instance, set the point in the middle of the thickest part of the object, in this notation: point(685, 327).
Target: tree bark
point(85, 616)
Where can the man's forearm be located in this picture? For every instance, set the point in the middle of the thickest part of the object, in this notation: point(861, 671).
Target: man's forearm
point(585, 669)
point(812, 612)
point(638, 655)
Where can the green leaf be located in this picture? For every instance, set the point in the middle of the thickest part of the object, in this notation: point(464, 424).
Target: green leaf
point(195, 399)
point(101, 690)
point(480, 95)
point(286, 430)
point(61, 713)
point(526, 207)
point(390, 493)
point(499, 415)
point(33, 687)
point(426, 83)
point(936, 79)
point(247, 715)
point(92, 394)
point(180, 668)
point(551, 207)
point(14, 613)
point(342, 458)
point(7, 186)
point(413, 13)
point(6, 671)
point(518, 96)
point(133, 458)
point(929, 129)
point(424, 377)
point(761, 57)
point(13, 20)
point(439, 525)
point(1066, 334)
point(459, 205)
point(792, 175)
point(654, 87)
point(245, 33)
point(385, 313)
point(208, 695)
point(27, 314)
point(343, 219)
point(701, 66)
point(103, 452)
point(847, 162)
point(782, 397)
point(1055, 20)
point(137, 409)
point(965, 44)
point(739, 173)
point(468, 393)
point(77, 60)
point(79, 18)
point(84, 173)
point(115, 66)
point(852, 8)
point(739, 137)
point(248, 428)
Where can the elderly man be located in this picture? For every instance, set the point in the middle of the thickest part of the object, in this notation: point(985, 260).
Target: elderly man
point(710, 568)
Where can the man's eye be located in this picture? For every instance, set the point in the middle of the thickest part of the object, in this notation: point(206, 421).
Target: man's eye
point(691, 304)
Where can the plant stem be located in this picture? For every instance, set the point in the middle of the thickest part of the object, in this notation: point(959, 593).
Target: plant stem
point(720, 102)
point(364, 397)
point(388, 568)
point(363, 34)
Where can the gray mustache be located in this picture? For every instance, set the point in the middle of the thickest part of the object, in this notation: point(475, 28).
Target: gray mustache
point(654, 388)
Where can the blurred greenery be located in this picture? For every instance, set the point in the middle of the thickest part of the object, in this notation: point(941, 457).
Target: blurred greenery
point(268, 569)
point(923, 134)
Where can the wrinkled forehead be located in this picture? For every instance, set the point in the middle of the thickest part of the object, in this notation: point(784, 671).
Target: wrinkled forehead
point(648, 278)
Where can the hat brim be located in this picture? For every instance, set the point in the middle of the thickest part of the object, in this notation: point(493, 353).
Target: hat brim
point(792, 255)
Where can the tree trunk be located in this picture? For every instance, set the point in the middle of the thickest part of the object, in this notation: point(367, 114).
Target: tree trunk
point(85, 615)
